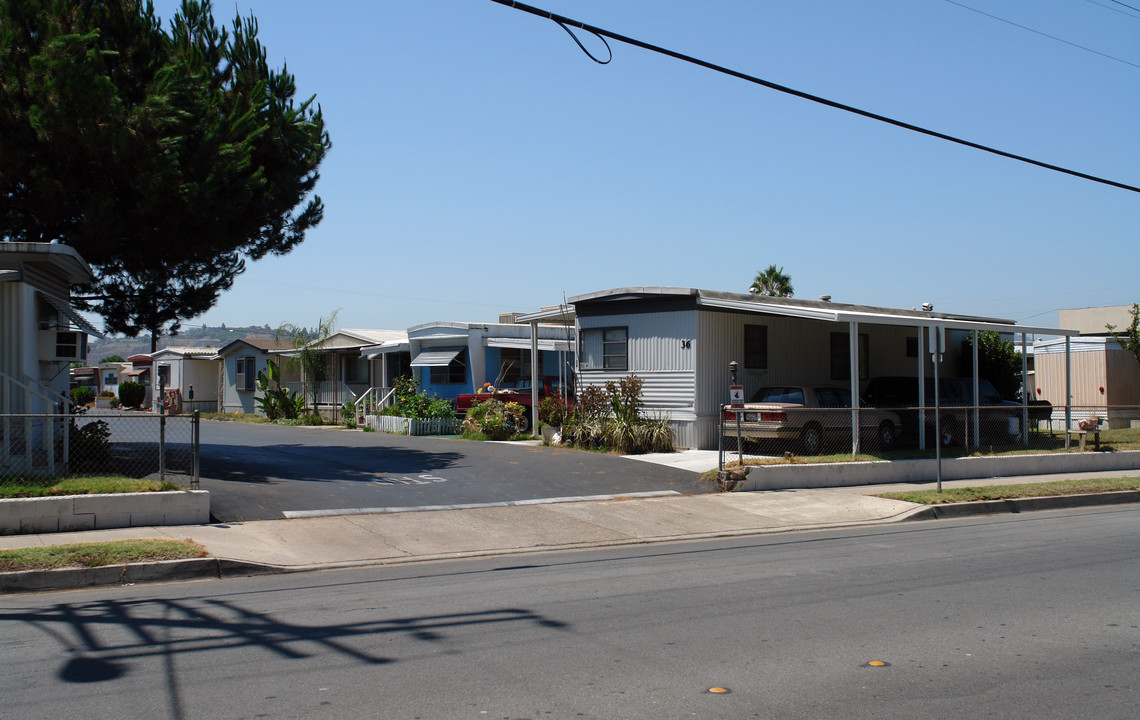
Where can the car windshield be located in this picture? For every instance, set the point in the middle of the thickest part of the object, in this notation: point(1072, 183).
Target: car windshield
point(790, 395)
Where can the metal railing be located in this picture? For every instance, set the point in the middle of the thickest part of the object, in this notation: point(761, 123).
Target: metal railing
point(372, 401)
point(98, 442)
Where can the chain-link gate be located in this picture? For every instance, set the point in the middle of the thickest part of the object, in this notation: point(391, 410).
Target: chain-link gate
point(130, 444)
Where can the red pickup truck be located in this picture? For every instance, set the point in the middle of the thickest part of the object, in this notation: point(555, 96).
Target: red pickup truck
point(516, 391)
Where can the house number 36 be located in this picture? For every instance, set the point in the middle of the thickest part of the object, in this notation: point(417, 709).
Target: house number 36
point(686, 344)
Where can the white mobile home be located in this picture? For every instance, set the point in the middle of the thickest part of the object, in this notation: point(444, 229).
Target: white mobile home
point(680, 341)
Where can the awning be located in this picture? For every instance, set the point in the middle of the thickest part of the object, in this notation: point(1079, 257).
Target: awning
point(136, 372)
point(64, 307)
point(524, 344)
point(387, 347)
point(438, 357)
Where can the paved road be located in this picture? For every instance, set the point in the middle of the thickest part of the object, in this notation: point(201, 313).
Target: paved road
point(261, 472)
point(1012, 616)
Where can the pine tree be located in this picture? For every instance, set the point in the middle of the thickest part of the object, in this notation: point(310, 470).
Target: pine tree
point(166, 158)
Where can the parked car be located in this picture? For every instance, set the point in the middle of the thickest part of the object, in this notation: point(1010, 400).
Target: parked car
point(516, 391)
point(811, 415)
point(998, 419)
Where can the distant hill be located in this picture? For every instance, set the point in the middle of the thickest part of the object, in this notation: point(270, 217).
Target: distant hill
point(97, 348)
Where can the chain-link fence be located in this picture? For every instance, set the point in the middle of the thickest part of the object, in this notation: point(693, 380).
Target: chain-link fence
point(775, 431)
point(130, 444)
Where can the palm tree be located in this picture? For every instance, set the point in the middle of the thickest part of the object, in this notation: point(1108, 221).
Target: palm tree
point(772, 282)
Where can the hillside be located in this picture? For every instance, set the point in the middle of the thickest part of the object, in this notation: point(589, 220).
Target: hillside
point(97, 348)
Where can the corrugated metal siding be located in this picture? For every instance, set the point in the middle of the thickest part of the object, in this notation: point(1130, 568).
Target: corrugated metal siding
point(661, 391)
point(1088, 375)
point(656, 340)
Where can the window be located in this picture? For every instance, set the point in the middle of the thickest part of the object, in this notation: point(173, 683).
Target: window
point(756, 347)
point(912, 347)
point(246, 374)
point(605, 349)
point(454, 373)
point(841, 358)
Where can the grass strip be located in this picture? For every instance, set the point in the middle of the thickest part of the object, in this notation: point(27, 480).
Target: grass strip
point(1025, 490)
point(113, 552)
point(27, 487)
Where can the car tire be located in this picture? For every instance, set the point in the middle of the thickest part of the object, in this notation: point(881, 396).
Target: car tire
point(811, 440)
point(886, 435)
point(523, 424)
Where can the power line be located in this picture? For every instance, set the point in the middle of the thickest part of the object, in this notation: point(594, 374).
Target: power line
point(1116, 10)
point(602, 33)
point(1045, 35)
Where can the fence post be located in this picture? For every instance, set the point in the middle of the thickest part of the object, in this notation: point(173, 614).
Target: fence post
point(195, 444)
point(161, 437)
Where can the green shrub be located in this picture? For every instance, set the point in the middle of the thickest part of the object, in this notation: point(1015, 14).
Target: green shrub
point(410, 403)
point(82, 395)
point(493, 419)
point(132, 394)
point(552, 410)
point(612, 419)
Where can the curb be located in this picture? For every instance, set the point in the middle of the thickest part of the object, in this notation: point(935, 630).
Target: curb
point(24, 581)
point(211, 568)
point(1018, 505)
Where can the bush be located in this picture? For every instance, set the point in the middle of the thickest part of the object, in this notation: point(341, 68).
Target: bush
point(493, 419)
point(106, 394)
point(552, 410)
point(411, 403)
point(90, 446)
point(82, 395)
point(132, 394)
point(612, 419)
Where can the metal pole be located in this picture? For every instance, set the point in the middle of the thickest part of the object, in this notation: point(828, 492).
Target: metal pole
point(936, 355)
point(196, 440)
point(1068, 389)
point(1024, 394)
point(161, 430)
point(853, 349)
point(976, 399)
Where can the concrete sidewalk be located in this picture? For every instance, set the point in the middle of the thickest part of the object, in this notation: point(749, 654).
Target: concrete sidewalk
point(313, 543)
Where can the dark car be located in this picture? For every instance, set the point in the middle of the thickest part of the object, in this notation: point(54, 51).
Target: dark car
point(998, 419)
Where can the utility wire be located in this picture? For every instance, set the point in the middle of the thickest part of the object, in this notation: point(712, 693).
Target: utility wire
point(1130, 7)
point(1116, 10)
point(602, 33)
point(1044, 35)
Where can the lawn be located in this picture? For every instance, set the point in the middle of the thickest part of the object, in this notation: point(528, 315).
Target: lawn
point(1025, 490)
point(28, 487)
point(114, 552)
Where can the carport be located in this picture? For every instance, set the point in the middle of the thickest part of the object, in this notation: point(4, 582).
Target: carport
point(930, 328)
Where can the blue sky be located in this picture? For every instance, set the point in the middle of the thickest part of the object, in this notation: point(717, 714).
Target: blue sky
point(481, 163)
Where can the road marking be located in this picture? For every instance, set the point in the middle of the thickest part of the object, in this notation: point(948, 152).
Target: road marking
point(294, 514)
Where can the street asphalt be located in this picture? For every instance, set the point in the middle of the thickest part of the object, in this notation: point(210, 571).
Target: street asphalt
point(378, 536)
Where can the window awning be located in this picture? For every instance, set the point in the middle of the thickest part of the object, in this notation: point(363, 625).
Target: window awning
point(64, 307)
point(524, 344)
point(436, 357)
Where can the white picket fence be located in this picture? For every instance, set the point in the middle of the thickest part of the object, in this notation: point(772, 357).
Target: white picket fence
point(412, 426)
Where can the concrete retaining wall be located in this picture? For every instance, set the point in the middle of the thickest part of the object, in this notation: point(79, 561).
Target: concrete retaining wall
point(794, 476)
point(21, 516)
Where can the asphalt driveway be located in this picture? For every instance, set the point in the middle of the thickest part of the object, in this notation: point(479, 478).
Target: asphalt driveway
point(262, 472)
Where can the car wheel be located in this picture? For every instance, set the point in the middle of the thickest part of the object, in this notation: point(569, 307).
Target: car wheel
point(523, 424)
point(886, 435)
point(812, 440)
